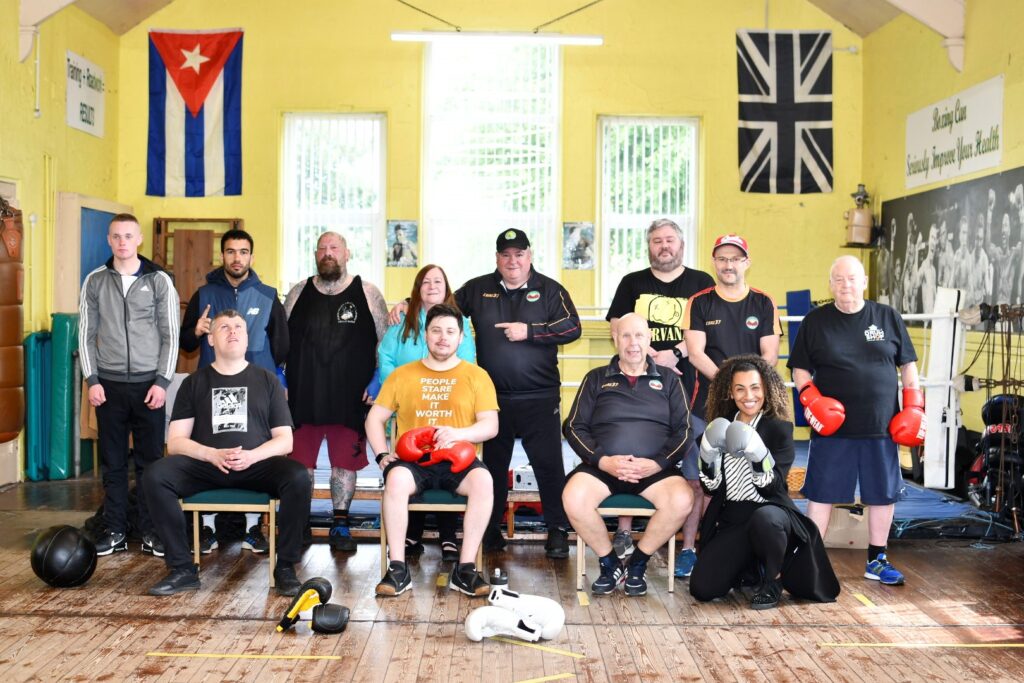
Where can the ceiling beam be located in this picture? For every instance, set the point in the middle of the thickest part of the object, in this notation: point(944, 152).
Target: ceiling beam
point(945, 17)
point(30, 15)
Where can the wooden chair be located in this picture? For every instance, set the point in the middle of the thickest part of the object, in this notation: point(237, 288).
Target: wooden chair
point(234, 500)
point(614, 506)
point(431, 500)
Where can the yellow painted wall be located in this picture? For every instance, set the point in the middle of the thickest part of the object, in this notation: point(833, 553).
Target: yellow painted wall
point(43, 155)
point(661, 57)
point(906, 69)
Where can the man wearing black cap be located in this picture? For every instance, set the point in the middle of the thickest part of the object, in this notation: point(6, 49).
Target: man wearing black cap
point(520, 318)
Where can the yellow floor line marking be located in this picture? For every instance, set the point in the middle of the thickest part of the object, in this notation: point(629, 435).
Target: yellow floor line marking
point(556, 677)
point(442, 580)
point(864, 599)
point(925, 646)
point(544, 648)
point(225, 655)
point(583, 598)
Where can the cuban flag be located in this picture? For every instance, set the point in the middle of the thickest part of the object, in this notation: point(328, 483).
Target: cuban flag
point(195, 113)
point(785, 113)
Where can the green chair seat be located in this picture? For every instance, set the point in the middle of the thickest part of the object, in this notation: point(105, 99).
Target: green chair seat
point(228, 497)
point(626, 500)
point(438, 497)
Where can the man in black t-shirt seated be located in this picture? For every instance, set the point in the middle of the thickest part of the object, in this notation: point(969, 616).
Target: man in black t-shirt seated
point(630, 426)
point(845, 360)
point(230, 428)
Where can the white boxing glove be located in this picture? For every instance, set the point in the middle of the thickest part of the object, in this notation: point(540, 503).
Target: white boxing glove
point(545, 613)
point(484, 622)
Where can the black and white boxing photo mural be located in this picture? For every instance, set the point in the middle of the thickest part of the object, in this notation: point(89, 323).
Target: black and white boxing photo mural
point(966, 236)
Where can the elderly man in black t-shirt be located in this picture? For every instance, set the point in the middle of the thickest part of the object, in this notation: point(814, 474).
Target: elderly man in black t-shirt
point(230, 428)
point(630, 426)
point(844, 360)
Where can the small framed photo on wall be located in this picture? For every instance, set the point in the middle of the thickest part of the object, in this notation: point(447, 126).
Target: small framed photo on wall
point(578, 246)
point(403, 245)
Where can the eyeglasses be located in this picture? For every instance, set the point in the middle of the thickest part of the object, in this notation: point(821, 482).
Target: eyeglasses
point(725, 260)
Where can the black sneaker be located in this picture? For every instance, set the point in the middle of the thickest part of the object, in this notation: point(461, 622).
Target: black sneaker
point(413, 548)
point(557, 546)
point(493, 540)
point(285, 581)
point(207, 541)
point(467, 580)
point(177, 581)
point(341, 539)
point(636, 584)
point(255, 540)
point(612, 574)
point(449, 551)
point(152, 544)
point(111, 542)
point(767, 595)
point(396, 581)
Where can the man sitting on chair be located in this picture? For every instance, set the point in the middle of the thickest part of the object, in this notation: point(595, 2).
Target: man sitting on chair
point(631, 427)
point(230, 428)
point(457, 399)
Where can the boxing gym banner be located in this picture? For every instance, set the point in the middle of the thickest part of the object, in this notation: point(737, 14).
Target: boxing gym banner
point(968, 236)
point(195, 113)
point(785, 111)
point(956, 136)
point(85, 95)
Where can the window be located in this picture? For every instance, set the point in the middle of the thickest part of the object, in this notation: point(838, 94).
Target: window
point(648, 171)
point(333, 179)
point(491, 148)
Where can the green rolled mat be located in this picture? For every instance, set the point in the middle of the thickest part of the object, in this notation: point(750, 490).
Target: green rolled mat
point(37, 405)
point(62, 395)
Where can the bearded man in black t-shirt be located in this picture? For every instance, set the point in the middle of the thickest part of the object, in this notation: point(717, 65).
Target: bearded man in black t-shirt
point(844, 360)
point(230, 428)
point(659, 294)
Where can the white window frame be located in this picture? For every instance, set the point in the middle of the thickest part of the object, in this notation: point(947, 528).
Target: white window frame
point(688, 223)
point(546, 248)
point(377, 220)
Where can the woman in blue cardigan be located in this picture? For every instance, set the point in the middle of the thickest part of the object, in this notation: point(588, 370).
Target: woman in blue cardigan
point(405, 342)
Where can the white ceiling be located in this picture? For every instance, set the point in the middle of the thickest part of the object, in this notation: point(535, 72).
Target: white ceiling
point(121, 15)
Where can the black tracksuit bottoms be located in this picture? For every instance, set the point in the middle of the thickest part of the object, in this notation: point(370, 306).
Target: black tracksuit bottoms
point(538, 423)
point(179, 476)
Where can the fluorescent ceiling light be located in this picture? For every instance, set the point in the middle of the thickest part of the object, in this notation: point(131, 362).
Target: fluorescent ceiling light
point(494, 37)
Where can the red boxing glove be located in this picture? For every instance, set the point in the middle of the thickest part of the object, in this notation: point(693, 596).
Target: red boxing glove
point(461, 454)
point(415, 444)
point(824, 414)
point(908, 426)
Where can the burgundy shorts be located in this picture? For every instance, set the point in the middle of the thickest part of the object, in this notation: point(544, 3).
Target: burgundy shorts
point(345, 447)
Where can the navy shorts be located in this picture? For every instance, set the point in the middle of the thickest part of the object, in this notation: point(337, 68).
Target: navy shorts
point(616, 485)
point(836, 465)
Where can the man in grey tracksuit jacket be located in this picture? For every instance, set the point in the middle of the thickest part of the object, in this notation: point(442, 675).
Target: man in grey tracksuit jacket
point(128, 345)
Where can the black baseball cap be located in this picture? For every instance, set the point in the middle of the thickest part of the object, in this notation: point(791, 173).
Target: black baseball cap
point(516, 239)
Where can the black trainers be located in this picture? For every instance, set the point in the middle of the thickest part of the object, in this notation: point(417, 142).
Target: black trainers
point(493, 540)
point(449, 551)
point(766, 595)
point(255, 540)
point(413, 548)
point(557, 546)
point(285, 581)
point(612, 574)
point(467, 580)
point(111, 542)
point(177, 581)
point(341, 539)
point(636, 584)
point(152, 544)
point(396, 581)
point(207, 541)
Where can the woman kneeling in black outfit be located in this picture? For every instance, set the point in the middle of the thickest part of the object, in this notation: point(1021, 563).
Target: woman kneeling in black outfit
point(751, 527)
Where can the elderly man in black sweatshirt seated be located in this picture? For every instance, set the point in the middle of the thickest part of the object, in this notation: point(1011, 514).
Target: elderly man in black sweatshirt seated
point(631, 427)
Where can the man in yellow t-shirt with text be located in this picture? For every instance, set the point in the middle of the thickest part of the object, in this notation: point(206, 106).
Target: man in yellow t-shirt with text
point(458, 401)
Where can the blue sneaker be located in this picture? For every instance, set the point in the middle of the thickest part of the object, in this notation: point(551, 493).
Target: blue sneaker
point(684, 563)
point(880, 570)
point(341, 539)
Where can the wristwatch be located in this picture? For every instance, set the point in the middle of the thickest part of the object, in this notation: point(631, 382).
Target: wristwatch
point(381, 456)
point(678, 354)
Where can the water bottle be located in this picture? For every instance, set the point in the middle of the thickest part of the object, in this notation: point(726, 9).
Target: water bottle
point(499, 577)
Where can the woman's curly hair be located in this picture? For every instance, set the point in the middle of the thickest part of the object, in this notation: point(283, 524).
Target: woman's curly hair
point(720, 402)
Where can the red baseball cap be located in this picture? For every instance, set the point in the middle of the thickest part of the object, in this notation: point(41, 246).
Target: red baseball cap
point(734, 240)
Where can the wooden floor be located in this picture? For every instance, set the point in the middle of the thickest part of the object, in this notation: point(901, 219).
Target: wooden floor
point(960, 617)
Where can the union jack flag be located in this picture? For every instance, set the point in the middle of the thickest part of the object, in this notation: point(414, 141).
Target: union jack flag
point(785, 112)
